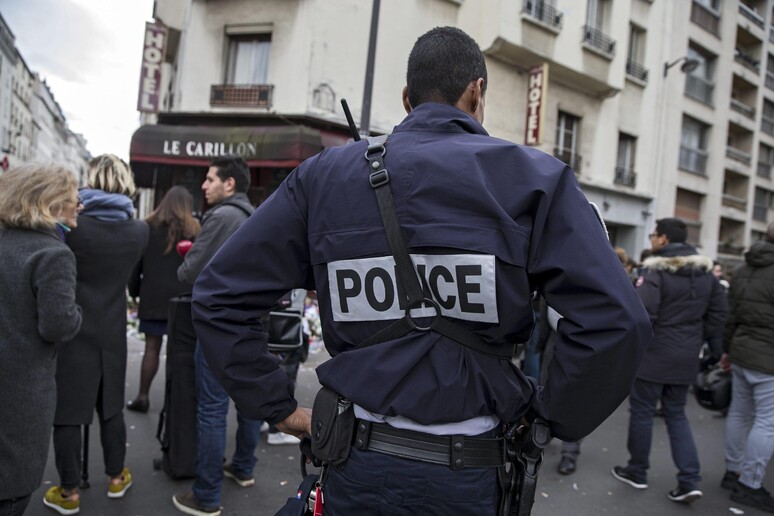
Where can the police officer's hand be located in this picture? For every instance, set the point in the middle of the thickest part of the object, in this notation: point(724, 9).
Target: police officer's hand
point(298, 423)
point(725, 363)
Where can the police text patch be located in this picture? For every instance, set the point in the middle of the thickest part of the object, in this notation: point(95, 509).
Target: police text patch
point(367, 289)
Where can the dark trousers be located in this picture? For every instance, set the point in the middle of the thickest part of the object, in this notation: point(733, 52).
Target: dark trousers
point(68, 445)
point(642, 401)
point(14, 506)
point(375, 483)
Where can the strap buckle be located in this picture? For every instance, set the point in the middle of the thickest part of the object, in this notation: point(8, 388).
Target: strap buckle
point(379, 178)
point(415, 304)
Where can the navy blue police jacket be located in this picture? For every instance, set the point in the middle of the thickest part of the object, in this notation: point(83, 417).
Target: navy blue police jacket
point(487, 222)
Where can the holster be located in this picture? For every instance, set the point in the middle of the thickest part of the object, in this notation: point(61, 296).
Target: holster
point(525, 454)
point(333, 424)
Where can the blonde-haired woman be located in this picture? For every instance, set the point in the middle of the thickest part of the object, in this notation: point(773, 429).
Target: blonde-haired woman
point(91, 369)
point(38, 204)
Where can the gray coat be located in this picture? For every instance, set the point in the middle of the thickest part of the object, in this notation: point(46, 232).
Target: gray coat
point(94, 362)
point(218, 224)
point(37, 311)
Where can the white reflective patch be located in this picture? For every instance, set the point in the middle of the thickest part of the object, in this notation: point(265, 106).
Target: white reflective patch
point(462, 284)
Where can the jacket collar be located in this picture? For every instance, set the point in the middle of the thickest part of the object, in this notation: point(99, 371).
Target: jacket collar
point(675, 263)
point(431, 116)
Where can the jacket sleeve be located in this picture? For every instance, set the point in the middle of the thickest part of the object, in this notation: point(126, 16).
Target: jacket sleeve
point(731, 320)
point(604, 330)
point(214, 232)
point(649, 291)
point(717, 311)
point(135, 280)
point(59, 317)
point(266, 257)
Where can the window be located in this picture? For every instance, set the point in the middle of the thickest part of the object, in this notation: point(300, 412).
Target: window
point(567, 131)
point(636, 55)
point(248, 59)
point(765, 160)
point(767, 117)
point(624, 170)
point(761, 204)
point(688, 208)
point(710, 4)
point(597, 13)
point(699, 84)
point(693, 145)
point(594, 31)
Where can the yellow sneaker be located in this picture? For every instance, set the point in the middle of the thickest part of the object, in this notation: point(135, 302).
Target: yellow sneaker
point(62, 504)
point(120, 489)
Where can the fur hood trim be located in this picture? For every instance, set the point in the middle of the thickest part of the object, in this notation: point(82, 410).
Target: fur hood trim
point(675, 263)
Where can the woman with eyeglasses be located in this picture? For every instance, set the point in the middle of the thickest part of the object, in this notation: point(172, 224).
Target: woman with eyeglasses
point(38, 312)
point(91, 369)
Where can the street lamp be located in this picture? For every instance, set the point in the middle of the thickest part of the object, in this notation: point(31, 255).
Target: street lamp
point(689, 64)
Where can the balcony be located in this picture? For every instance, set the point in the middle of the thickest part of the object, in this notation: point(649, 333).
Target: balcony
point(764, 170)
point(599, 41)
point(751, 15)
point(705, 18)
point(725, 248)
point(636, 70)
point(739, 155)
point(732, 201)
point(699, 89)
point(741, 107)
point(767, 125)
point(693, 160)
point(625, 177)
point(747, 59)
point(568, 157)
point(544, 13)
point(241, 95)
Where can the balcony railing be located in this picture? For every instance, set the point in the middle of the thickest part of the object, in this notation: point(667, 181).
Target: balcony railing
point(739, 155)
point(732, 201)
point(760, 212)
point(724, 248)
point(245, 95)
point(705, 18)
point(543, 12)
point(747, 59)
point(625, 176)
point(598, 40)
point(693, 160)
point(741, 107)
point(767, 125)
point(699, 89)
point(636, 70)
point(751, 15)
point(569, 157)
point(764, 169)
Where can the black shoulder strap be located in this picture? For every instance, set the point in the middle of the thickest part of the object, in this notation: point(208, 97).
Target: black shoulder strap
point(407, 273)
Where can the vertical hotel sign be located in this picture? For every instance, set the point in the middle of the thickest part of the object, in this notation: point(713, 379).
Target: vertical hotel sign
point(149, 97)
point(537, 90)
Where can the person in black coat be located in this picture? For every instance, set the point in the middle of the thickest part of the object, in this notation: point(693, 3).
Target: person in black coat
point(155, 281)
point(91, 369)
point(686, 305)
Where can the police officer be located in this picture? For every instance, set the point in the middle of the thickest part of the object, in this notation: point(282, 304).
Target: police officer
point(486, 223)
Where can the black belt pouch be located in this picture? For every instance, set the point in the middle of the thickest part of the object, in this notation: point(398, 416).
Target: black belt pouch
point(333, 424)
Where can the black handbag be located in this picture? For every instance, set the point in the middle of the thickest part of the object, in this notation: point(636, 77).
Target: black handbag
point(299, 504)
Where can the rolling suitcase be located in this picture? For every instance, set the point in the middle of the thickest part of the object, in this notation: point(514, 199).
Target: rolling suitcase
point(177, 421)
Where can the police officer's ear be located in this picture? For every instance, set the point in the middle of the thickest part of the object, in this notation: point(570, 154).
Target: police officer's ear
point(472, 100)
point(406, 103)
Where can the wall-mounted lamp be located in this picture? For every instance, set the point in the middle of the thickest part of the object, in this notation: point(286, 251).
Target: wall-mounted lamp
point(689, 64)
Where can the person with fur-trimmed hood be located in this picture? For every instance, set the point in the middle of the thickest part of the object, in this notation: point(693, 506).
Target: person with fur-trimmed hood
point(687, 305)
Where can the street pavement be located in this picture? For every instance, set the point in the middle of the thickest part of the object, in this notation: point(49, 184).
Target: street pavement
point(590, 491)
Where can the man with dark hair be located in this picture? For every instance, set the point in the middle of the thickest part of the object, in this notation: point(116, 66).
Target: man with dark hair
point(748, 341)
point(485, 222)
point(225, 187)
point(686, 305)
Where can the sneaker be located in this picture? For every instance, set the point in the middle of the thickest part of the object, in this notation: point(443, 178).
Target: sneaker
point(264, 427)
point(120, 489)
point(729, 480)
point(240, 478)
point(62, 504)
point(758, 498)
point(620, 473)
point(185, 501)
point(684, 495)
point(282, 438)
point(567, 466)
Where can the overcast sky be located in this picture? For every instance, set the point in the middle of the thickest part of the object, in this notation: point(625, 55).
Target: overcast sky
point(89, 53)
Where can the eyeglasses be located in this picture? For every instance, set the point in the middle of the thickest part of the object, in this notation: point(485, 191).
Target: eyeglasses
point(654, 235)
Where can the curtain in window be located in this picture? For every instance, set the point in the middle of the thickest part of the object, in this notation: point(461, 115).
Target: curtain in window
point(249, 62)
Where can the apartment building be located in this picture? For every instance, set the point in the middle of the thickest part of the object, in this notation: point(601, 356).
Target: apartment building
point(7, 67)
point(661, 107)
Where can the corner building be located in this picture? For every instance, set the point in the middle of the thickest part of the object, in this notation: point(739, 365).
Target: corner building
point(662, 107)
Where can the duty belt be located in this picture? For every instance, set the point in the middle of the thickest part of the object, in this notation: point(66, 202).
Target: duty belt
point(455, 451)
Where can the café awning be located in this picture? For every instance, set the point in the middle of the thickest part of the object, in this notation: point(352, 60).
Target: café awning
point(263, 146)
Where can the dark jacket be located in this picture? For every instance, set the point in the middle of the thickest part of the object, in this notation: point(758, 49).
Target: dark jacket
point(154, 279)
point(218, 224)
point(94, 362)
point(686, 304)
point(487, 222)
point(37, 312)
point(749, 333)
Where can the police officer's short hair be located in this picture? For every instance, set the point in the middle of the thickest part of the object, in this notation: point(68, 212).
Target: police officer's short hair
point(673, 228)
point(233, 166)
point(441, 65)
